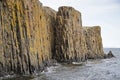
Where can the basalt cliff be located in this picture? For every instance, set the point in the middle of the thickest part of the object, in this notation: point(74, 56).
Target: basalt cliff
point(33, 36)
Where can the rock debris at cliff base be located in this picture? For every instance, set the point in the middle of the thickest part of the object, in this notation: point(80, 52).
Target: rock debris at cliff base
point(32, 36)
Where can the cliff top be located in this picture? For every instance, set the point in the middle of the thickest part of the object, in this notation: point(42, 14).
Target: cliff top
point(49, 10)
point(91, 27)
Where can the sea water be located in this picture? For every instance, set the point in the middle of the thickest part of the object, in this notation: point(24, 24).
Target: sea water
point(100, 69)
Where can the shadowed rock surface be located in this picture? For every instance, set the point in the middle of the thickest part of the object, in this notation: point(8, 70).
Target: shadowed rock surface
point(110, 55)
point(33, 35)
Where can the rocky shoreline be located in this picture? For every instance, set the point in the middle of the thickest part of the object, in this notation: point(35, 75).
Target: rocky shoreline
point(54, 63)
point(34, 37)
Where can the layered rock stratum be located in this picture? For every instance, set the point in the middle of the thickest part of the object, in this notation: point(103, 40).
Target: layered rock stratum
point(32, 35)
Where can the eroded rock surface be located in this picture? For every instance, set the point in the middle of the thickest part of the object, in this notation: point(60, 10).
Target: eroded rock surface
point(70, 43)
point(33, 35)
point(26, 30)
point(74, 42)
point(93, 42)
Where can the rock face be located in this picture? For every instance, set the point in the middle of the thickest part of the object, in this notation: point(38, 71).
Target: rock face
point(70, 43)
point(26, 40)
point(74, 42)
point(33, 35)
point(93, 42)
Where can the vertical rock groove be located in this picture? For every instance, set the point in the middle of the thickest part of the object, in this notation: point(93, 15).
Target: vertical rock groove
point(31, 35)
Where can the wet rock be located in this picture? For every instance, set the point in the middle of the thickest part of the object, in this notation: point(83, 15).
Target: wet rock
point(3, 73)
point(110, 54)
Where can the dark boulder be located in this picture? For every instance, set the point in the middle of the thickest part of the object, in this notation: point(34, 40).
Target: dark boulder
point(3, 73)
point(110, 54)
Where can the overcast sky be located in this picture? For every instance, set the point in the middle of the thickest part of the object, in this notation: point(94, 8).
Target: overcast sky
point(105, 13)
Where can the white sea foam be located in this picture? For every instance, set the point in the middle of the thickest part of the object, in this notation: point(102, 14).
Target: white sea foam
point(51, 69)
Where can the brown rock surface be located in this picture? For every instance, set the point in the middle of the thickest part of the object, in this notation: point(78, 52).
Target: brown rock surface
point(70, 43)
point(74, 42)
point(26, 35)
point(32, 35)
point(93, 42)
